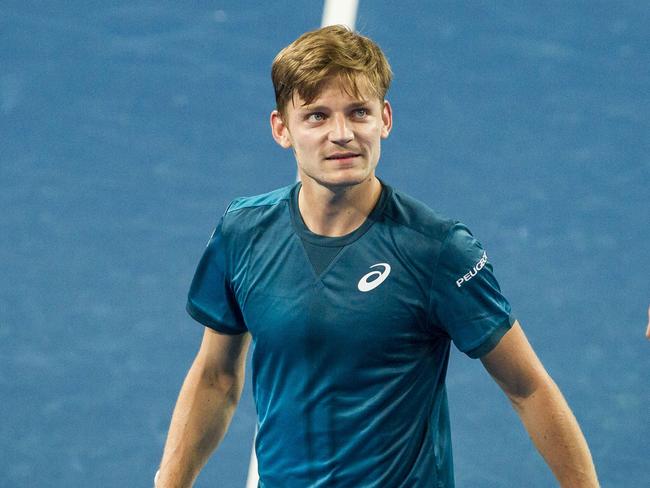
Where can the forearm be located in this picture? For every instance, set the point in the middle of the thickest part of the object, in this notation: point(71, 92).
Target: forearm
point(557, 436)
point(200, 420)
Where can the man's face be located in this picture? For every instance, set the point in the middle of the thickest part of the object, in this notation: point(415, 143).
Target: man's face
point(337, 137)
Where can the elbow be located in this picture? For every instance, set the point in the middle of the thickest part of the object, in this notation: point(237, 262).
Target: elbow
point(235, 390)
point(224, 383)
point(520, 393)
point(228, 385)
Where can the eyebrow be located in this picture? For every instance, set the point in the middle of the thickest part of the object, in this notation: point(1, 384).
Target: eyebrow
point(318, 108)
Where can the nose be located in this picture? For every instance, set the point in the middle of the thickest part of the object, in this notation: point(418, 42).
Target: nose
point(340, 132)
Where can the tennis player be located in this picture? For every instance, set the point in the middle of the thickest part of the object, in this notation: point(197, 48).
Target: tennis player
point(352, 293)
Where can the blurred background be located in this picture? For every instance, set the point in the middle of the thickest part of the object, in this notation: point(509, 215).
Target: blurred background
point(127, 127)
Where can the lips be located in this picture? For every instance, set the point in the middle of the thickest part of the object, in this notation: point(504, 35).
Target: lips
point(345, 155)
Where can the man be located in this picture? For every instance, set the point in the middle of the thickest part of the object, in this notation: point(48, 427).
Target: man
point(352, 293)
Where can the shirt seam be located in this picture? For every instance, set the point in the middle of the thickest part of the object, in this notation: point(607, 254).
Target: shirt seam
point(228, 211)
point(435, 272)
point(414, 229)
point(476, 348)
point(346, 240)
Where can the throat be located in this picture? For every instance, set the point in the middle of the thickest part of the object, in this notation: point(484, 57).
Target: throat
point(336, 214)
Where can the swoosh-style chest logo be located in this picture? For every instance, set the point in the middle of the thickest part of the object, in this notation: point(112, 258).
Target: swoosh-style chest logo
point(375, 278)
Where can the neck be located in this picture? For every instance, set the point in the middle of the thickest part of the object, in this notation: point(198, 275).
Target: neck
point(337, 211)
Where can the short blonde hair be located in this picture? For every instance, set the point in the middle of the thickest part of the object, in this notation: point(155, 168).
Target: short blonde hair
point(333, 52)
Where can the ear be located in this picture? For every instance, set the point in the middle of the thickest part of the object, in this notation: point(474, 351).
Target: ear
point(386, 119)
point(280, 130)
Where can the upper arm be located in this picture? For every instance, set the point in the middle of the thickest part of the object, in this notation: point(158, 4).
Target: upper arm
point(466, 300)
point(211, 300)
point(223, 356)
point(514, 365)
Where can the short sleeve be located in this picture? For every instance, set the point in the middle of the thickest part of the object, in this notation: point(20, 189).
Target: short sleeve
point(466, 300)
point(211, 300)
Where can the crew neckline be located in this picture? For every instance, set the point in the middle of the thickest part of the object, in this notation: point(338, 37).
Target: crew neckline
point(303, 231)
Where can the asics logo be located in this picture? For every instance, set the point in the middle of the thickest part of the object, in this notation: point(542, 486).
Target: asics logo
point(375, 278)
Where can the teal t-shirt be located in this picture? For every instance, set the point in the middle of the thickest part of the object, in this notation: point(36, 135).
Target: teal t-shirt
point(349, 361)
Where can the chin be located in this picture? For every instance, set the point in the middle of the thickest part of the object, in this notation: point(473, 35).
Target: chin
point(343, 179)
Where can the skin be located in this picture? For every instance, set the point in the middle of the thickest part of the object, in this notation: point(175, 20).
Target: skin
point(336, 197)
point(542, 409)
point(337, 194)
point(204, 409)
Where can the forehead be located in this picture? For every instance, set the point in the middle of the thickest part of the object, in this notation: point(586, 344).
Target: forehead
point(338, 90)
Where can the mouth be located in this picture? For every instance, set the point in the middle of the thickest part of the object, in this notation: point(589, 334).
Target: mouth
point(343, 156)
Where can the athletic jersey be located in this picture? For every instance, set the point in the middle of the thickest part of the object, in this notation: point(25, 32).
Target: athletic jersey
point(349, 363)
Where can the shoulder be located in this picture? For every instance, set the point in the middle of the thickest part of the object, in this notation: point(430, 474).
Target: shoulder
point(269, 199)
point(245, 213)
point(415, 215)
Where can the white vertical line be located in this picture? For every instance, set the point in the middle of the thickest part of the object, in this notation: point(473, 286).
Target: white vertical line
point(253, 476)
point(340, 12)
point(334, 12)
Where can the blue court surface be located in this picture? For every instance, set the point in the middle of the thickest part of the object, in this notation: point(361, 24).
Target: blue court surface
point(127, 127)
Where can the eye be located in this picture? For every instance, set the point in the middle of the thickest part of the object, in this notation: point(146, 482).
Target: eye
point(360, 113)
point(316, 117)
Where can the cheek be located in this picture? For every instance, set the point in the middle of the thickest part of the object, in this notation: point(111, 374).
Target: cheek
point(373, 138)
point(302, 152)
point(306, 144)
